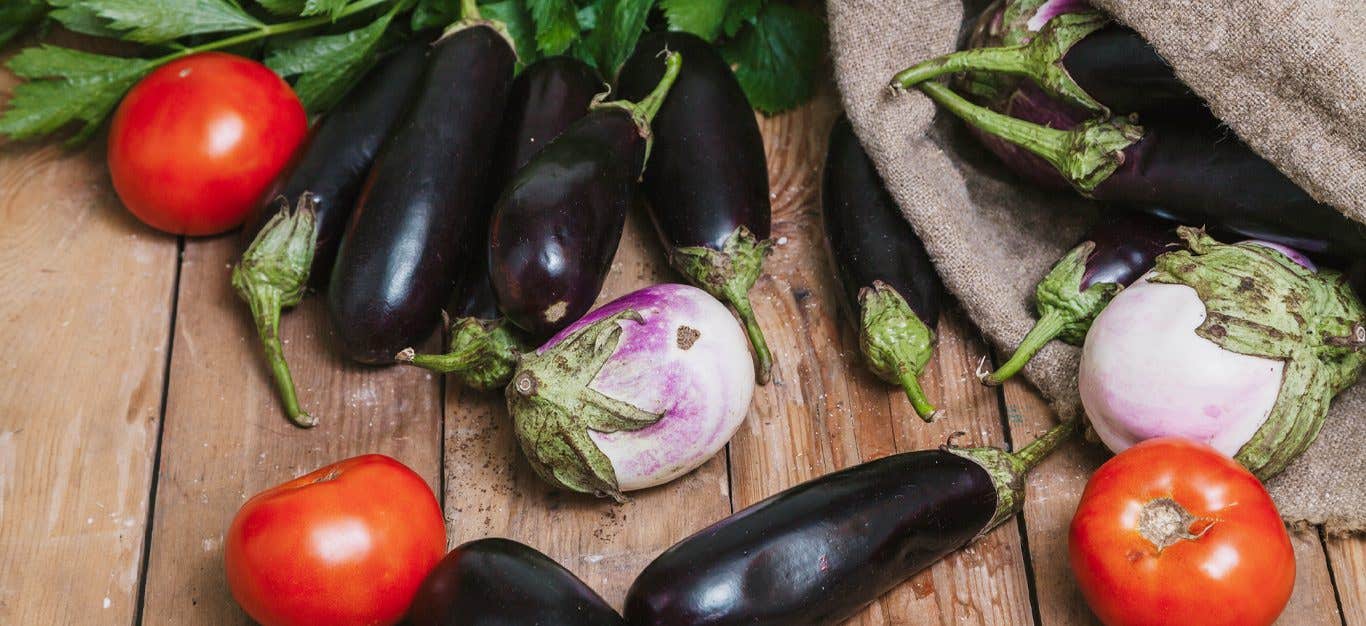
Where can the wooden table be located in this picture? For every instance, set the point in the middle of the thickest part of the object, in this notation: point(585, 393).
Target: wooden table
point(136, 416)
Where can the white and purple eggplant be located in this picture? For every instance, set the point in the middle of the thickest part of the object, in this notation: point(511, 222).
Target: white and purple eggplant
point(638, 392)
point(1240, 346)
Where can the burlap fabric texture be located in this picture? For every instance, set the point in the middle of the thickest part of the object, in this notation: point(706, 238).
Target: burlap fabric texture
point(1289, 76)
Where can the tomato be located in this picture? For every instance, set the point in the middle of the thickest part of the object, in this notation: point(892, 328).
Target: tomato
point(1173, 532)
point(194, 145)
point(346, 544)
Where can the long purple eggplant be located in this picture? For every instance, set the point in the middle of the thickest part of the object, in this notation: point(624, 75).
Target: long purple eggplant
point(815, 554)
point(420, 215)
point(707, 183)
point(890, 286)
point(289, 250)
point(499, 582)
point(1114, 253)
point(546, 98)
point(557, 225)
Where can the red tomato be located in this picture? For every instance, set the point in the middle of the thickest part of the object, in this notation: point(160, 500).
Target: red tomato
point(346, 544)
point(194, 145)
point(1173, 532)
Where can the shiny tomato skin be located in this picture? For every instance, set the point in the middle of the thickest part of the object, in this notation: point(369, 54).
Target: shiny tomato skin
point(194, 145)
point(348, 544)
point(1238, 570)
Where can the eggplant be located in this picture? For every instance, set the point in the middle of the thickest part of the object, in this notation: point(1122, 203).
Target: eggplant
point(419, 217)
point(1191, 173)
point(557, 225)
point(546, 98)
point(817, 553)
point(707, 184)
point(324, 180)
point(500, 582)
point(889, 283)
point(1113, 254)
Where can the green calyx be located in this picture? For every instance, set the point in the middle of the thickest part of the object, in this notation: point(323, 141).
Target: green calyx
point(1039, 60)
point(728, 274)
point(470, 17)
point(553, 406)
point(1085, 155)
point(272, 275)
point(1261, 303)
point(643, 112)
point(1065, 310)
point(896, 343)
point(482, 354)
point(1008, 469)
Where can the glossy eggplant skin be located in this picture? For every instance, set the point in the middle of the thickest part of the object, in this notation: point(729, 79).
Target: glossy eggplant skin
point(340, 150)
point(708, 174)
point(1120, 70)
point(870, 240)
point(818, 552)
point(1126, 246)
point(499, 582)
point(419, 217)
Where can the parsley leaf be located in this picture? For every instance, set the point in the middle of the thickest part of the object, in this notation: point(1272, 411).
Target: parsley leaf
point(160, 21)
point(17, 16)
point(76, 16)
point(777, 60)
point(434, 14)
point(619, 24)
point(66, 86)
point(739, 13)
point(283, 7)
point(557, 24)
point(514, 15)
point(699, 17)
point(329, 7)
point(328, 65)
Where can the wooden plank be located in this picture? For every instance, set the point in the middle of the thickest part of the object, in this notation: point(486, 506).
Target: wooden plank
point(1347, 555)
point(1055, 488)
point(825, 411)
point(86, 317)
point(225, 438)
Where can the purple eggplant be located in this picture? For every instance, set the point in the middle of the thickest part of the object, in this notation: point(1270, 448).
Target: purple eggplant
point(707, 183)
point(289, 250)
point(890, 286)
point(815, 554)
point(557, 225)
point(499, 582)
point(546, 98)
point(1113, 254)
point(419, 217)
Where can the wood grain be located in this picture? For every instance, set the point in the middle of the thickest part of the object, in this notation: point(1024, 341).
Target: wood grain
point(1055, 487)
point(225, 438)
point(86, 316)
point(1347, 555)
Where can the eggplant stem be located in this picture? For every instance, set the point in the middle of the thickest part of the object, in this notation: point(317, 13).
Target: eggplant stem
point(469, 10)
point(1050, 325)
point(265, 311)
point(1085, 155)
point(482, 354)
point(763, 359)
point(916, 395)
point(650, 104)
point(728, 274)
point(1031, 455)
point(453, 361)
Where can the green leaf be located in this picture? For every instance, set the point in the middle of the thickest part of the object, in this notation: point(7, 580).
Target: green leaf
point(739, 13)
point(77, 17)
point(324, 7)
point(18, 16)
point(557, 24)
point(699, 17)
point(160, 21)
point(66, 86)
point(619, 24)
point(777, 60)
point(515, 16)
point(283, 7)
point(328, 65)
point(434, 14)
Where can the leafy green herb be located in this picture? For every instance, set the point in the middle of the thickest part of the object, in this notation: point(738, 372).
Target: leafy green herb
point(66, 86)
point(160, 21)
point(739, 13)
point(18, 16)
point(329, 65)
point(78, 17)
point(331, 8)
point(514, 15)
point(283, 7)
point(557, 24)
point(619, 24)
point(699, 17)
point(777, 60)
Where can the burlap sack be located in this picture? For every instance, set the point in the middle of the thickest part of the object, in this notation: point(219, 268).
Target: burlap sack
point(1287, 75)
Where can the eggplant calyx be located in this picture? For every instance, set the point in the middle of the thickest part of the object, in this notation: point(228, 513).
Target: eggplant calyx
point(553, 408)
point(1259, 302)
point(1085, 155)
point(1008, 469)
point(728, 274)
point(896, 343)
point(1065, 310)
point(1040, 60)
point(482, 354)
point(272, 275)
point(470, 17)
point(643, 112)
